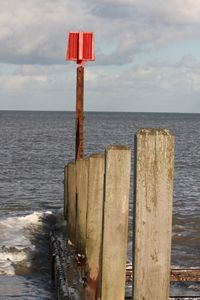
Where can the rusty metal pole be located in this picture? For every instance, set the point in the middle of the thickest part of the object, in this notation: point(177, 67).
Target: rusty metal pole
point(79, 113)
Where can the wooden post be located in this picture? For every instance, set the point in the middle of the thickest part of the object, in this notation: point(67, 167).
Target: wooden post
point(94, 222)
point(153, 214)
point(79, 113)
point(82, 194)
point(115, 222)
point(65, 193)
point(71, 209)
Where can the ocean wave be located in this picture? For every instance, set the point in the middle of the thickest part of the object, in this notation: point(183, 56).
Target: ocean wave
point(20, 237)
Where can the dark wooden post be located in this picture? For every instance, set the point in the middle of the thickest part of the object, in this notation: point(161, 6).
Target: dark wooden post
point(81, 204)
point(71, 205)
point(65, 193)
point(79, 113)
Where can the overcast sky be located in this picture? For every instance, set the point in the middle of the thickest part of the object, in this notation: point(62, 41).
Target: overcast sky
point(147, 55)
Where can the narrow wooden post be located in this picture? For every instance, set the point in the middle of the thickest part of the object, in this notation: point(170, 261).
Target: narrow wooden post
point(65, 193)
point(94, 222)
point(82, 194)
point(153, 214)
point(71, 208)
point(115, 222)
point(79, 113)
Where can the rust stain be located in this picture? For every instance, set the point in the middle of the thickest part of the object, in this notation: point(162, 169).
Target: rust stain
point(92, 288)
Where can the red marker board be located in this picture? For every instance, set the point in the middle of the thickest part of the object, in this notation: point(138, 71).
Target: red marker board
point(80, 47)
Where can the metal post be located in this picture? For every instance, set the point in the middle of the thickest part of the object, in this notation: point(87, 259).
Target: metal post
point(79, 113)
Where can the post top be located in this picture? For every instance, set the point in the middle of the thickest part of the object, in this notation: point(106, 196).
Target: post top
point(118, 147)
point(79, 160)
point(72, 162)
point(154, 131)
point(98, 155)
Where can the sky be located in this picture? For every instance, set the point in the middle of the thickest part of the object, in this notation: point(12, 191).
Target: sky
point(147, 55)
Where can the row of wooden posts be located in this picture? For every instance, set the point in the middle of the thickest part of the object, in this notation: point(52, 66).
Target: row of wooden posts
point(96, 207)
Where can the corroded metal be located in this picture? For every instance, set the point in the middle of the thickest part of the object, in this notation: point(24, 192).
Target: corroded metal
point(79, 113)
point(176, 275)
point(185, 275)
point(174, 298)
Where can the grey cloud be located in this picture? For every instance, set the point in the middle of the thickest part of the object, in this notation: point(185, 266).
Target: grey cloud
point(112, 11)
point(35, 32)
point(140, 86)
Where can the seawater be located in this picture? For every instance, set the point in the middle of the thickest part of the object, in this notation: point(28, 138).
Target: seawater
point(35, 146)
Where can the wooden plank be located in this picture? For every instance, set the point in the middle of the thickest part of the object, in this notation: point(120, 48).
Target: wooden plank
point(82, 196)
point(115, 222)
point(94, 222)
point(71, 209)
point(153, 214)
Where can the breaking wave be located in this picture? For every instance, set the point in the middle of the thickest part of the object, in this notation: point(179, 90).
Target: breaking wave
point(22, 241)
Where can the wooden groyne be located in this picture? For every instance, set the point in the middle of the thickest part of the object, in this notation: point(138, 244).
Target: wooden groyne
point(96, 208)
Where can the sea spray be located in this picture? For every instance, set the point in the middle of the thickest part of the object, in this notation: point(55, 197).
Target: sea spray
point(22, 238)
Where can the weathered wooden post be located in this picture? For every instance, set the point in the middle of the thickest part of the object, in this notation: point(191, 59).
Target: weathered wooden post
point(81, 206)
point(71, 207)
point(154, 159)
point(65, 193)
point(94, 222)
point(115, 222)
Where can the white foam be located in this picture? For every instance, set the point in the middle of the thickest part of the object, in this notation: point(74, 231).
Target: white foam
point(33, 218)
point(6, 268)
point(13, 256)
point(15, 239)
point(194, 287)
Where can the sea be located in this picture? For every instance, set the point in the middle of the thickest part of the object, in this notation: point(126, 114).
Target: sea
point(35, 147)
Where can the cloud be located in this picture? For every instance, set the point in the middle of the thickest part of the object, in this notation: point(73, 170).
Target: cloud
point(179, 12)
point(112, 10)
point(16, 84)
point(35, 32)
point(128, 33)
point(163, 78)
point(155, 86)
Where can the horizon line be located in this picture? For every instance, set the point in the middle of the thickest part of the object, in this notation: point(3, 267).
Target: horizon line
point(98, 111)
